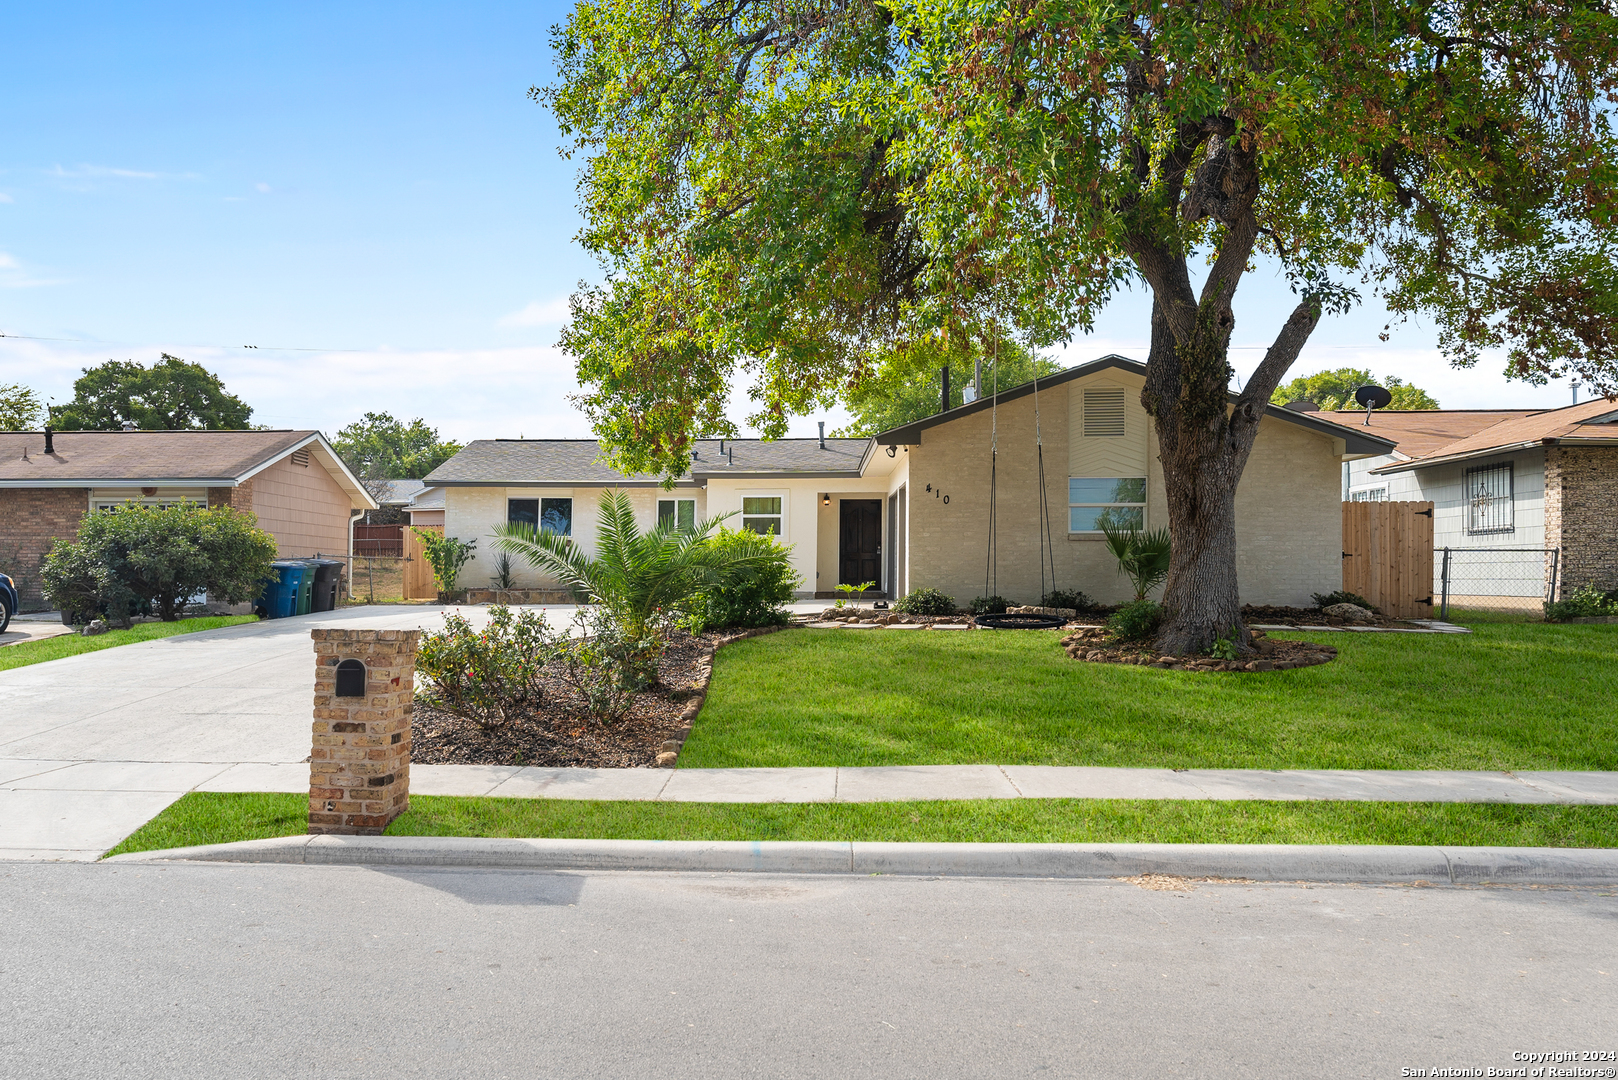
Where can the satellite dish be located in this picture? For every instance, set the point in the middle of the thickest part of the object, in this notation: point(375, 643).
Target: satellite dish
point(1373, 397)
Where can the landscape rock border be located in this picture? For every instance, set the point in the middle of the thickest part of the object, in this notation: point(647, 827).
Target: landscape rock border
point(1091, 644)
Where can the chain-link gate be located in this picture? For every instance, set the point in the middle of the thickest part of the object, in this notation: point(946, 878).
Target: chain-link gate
point(1496, 579)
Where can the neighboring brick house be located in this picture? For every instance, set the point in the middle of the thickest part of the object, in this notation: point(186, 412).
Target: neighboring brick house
point(1514, 482)
point(910, 508)
point(293, 481)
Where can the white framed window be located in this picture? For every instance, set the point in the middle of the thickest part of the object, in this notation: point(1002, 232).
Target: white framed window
point(550, 515)
point(1375, 494)
point(160, 502)
point(1115, 501)
point(764, 514)
point(1490, 506)
point(679, 513)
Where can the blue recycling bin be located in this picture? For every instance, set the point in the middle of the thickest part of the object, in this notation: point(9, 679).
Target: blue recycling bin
point(280, 597)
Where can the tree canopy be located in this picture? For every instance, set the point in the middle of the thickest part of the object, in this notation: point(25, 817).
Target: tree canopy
point(905, 384)
point(378, 447)
point(1335, 390)
point(171, 395)
point(20, 408)
point(779, 188)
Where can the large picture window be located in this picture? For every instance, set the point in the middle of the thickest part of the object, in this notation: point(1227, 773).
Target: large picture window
point(679, 513)
point(1490, 507)
point(1117, 502)
point(762, 514)
point(1376, 494)
point(550, 515)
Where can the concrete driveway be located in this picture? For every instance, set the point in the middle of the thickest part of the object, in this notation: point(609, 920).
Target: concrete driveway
point(93, 746)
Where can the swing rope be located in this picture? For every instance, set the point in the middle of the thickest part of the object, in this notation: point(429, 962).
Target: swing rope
point(991, 565)
point(1046, 544)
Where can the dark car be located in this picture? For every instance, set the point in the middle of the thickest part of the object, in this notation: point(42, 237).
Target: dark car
point(8, 601)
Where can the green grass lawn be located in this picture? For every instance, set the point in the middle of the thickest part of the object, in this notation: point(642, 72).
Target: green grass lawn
point(1510, 696)
point(220, 818)
point(37, 652)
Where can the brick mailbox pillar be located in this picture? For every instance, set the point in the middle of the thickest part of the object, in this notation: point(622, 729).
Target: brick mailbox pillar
point(359, 766)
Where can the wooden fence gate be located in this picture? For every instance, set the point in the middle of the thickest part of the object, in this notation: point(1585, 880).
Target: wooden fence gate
point(1388, 556)
point(418, 572)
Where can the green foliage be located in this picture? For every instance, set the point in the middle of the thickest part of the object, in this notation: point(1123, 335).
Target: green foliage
point(502, 577)
point(605, 665)
point(171, 395)
point(1143, 557)
point(989, 605)
point(488, 676)
point(161, 557)
point(20, 408)
point(754, 595)
point(1587, 602)
point(378, 447)
point(1227, 647)
point(1332, 390)
point(784, 206)
point(634, 575)
point(925, 602)
point(1068, 598)
point(1342, 596)
point(446, 555)
point(1137, 621)
point(851, 593)
point(903, 386)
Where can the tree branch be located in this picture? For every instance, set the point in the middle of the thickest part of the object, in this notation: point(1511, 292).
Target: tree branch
point(1277, 360)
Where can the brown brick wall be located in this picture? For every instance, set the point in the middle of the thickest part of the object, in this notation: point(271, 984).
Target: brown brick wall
point(1581, 514)
point(359, 765)
point(239, 497)
point(30, 518)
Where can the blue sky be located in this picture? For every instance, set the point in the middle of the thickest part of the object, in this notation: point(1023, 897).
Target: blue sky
point(366, 193)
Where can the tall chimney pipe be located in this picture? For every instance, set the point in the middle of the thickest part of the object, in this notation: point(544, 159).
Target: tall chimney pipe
point(49, 447)
point(823, 434)
point(943, 379)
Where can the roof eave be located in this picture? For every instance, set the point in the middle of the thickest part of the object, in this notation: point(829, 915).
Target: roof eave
point(1470, 455)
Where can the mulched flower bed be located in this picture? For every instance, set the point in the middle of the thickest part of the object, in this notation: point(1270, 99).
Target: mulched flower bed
point(1089, 643)
point(562, 734)
point(1297, 616)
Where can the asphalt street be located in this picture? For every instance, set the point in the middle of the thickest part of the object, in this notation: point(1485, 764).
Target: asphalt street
point(208, 970)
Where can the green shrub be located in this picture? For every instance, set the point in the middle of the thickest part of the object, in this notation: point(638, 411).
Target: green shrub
point(606, 665)
point(488, 676)
point(925, 602)
point(446, 555)
point(754, 595)
point(989, 605)
point(1341, 596)
point(1135, 622)
point(1587, 602)
point(1143, 557)
point(161, 557)
point(1068, 598)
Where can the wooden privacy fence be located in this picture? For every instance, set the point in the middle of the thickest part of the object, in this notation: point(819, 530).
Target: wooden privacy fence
point(1388, 556)
point(379, 540)
point(418, 572)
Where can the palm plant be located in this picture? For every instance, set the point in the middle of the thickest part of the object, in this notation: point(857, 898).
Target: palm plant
point(1143, 557)
point(635, 576)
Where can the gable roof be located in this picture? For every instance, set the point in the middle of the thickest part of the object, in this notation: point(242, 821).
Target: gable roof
point(1356, 443)
point(1587, 422)
point(399, 492)
point(566, 462)
point(161, 459)
point(1421, 432)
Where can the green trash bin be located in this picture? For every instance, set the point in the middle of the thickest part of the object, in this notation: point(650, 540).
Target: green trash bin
point(306, 586)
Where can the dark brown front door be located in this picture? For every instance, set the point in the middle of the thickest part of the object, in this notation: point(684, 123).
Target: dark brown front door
point(860, 549)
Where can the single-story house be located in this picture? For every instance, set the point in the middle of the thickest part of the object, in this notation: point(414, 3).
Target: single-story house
point(909, 508)
point(1518, 495)
point(293, 481)
point(426, 507)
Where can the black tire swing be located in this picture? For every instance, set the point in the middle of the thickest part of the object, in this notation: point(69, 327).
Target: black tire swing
point(1047, 550)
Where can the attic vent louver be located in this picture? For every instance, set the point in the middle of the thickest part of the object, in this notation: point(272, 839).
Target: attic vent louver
point(301, 457)
point(1104, 412)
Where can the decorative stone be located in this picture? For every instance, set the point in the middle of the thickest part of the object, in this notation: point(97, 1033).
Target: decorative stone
point(666, 759)
point(96, 626)
point(1348, 613)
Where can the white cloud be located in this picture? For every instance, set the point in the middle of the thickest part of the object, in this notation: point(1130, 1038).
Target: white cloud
point(7, 262)
point(4, 198)
point(14, 276)
point(553, 312)
point(261, 188)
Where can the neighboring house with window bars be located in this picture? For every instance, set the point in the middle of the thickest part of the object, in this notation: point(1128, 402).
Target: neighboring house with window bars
point(909, 508)
point(1515, 481)
point(293, 481)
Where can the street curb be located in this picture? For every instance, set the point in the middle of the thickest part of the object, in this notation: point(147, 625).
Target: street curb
point(1254, 862)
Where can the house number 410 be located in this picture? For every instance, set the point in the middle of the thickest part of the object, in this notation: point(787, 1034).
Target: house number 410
point(938, 493)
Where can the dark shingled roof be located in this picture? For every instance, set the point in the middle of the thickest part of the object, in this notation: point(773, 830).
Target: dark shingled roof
point(540, 462)
point(109, 457)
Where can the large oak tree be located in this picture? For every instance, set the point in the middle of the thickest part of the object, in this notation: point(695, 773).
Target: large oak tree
point(779, 188)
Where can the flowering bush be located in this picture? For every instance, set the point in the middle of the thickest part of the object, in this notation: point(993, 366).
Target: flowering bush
point(492, 675)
